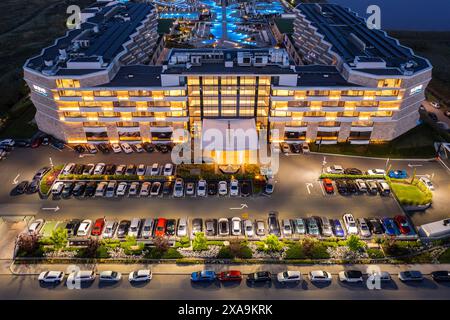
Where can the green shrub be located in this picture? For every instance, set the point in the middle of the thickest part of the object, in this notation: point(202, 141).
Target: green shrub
point(172, 253)
point(270, 244)
point(200, 242)
point(295, 252)
point(375, 253)
point(184, 242)
point(354, 244)
point(225, 253)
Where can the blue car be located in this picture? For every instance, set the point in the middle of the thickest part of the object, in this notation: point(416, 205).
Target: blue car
point(398, 174)
point(203, 276)
point(390, 227)
point(337, 228)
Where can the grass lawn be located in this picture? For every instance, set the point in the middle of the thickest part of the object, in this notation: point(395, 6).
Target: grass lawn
point(48, 227)
point(445, 257)
point(410, 194)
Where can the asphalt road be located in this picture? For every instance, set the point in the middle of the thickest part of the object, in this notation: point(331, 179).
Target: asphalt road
point(298, 192)
point(176, 287)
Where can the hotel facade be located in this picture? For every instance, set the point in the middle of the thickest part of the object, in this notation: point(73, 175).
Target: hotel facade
point(333, 80)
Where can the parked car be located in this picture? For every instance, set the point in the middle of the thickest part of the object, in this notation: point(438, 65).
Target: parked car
point(231, 275)
point(40, 173)
point(178, 189)
point(212, 189)
point(285, 147)
point(201, 188)
point(325, 225)
point(122, 229)
point(372, 187)
point(67, 190)
point(248, 228)
point(130, 170)
point(89, 191)
point(154, 171)
point(398, 174)
point(116, 148)
point(376, 172)
point(111, 189)
point(145, 189)
point(350, 223)
point(120, 170)
point(305, 147)
point(134, 189)
point(383, 188)
point(135, 228)
point(170, 227)
point(53, 277)
point(98, 227)
point(289, 276)
point(427, 182)
point(234, 187)
point(236, 229)
point(160, 229)
point(224, 227)
point(273, 225)
point(313, 228)
point(364, 229)
point(182, 227)
point(104, 148)
point(101, 188)
point(168, 169)
point(351, 276)
point(223, 188)
point(320, 276)
point(375, 226)
point(141, 169)
point(203, 276)
point(389, 227)
point(99, 168)
point(68, 168)
point(245, 189)
point(109, 230)
point(143, 275)
point(83, 229)
point(441, 276)
point(88, 169)
point(341, 186)
point(382, 276)
point(353, 171)
point(268, 189)
point(351, 186)
point(110, 276)
point(81, 276)
point(122, 189)
point(260, 228)
point(211, 227)
point(361, 186)
point(335, 169)
point(147, 228)
point(167, 188)
point(156, 189)
point(435, 104)
point(299, 226)
point(56, 190)
point(126, 147)
point(433, 116)
point(286, 227)
point(411, 275)
point(72, 227)
point(190, 189)
point(35, 226)
point(336, 226)
point(328, 185)
point(148, 147)
point(402, 224)
point(260, 276)
point(138, 148)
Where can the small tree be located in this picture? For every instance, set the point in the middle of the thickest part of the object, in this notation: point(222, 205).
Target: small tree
point(161, 245)
point(308, 245)
point(27, 244)
point(354, 244)
point(272, 243)
point(59, 238)
point(91, 248)
point(200, 242)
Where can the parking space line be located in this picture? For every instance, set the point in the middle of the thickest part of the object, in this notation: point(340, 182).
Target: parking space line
point(321, 188)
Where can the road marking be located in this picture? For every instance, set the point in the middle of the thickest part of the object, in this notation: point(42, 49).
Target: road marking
point(15, 181)
point(321, 188)
point(309, 185)
point(414, 165)
point(55, 148)
point(243, 205)
point(51, 209)
point(84, 155)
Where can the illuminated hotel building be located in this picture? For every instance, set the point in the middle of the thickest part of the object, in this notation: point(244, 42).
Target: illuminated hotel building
point(112, 81)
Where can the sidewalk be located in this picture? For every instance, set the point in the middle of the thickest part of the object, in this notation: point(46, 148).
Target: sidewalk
point(173, 269)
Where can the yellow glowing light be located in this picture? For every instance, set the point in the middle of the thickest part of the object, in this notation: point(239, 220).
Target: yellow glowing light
point(61, 118)
point(315, 108)
point(330, 118)
point(88, 98)
point(125, 118)
point(91, 118)
point(113, 141)
point(76, 141)
point(368, 98)
point(300, 97)
point(297, 118)
point(122, 98)
point(160, 118)
point(363, 118)
point(69, 109)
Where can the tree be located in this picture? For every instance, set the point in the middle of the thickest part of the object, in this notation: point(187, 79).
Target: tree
point(308, 245)
point(200, 242)
point(354, 244)
point(161, 245)
point(27, 244)
point(272, 243)
point(59, 238)
point(91, 248)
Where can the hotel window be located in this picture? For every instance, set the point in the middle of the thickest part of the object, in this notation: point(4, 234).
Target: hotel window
point(193, 81)
point(69, 93)
point(314, 114)
point(209, 81)
point(295, 135)
point(246, 101)
point(109, 114)
point(93, 124)
point(227, 81)
point(211, 91)
point(67, 83)
point(97, 136)
point(261, 113)
point(211, 112)
point(194, 91)
point(158, 94)
point(329, 124)
point(248, 81)
point(104, 93)
point(325, 135)
point(127, 124)
point(245, 91)
point(360, 135)
point(390, 83)
point(229, 91)
point(174, 93)
point(264, 81)
point(392, 105)
point(72, 114)
point(353, 93)
point(362, 124)
point(129, 136)
point(67, 105)
point(317, 92)
point(387, 93)
point(246, 112)
point(228, 112)
point(139, 93)
point(229, 102)
point(283, 93)
point(348, 114)
point(381, 114)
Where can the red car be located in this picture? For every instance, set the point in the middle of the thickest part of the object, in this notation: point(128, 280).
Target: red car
point(98, 227)
point(160, 227)
point(36, 142)
point(232, 275)
point(328, 185)
point(402, 224)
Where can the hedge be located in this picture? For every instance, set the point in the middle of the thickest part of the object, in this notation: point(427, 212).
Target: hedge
point(335, 176)
point(109, 177)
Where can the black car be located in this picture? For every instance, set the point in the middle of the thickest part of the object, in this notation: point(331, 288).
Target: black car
point(351, 186)
point(55, 143)
point(296, 148)
point(375, 226)
point(78, 189)
point(79, 148)
point(104, 148)
point(433, 116)
point(90, 189)
point(78, 169)
point(110, 169)
point(167, 188)
point(23, 143)
point(211, 227)
point(272, 222)
point(353, 171)
point(260, 276)
point(122, 229)
point(170, 227)
point(341, 186)
point(163, 148)
point(441, 276)
point(245, 189)
point(72, 227)
point(67, 190)
point(40, 173)
point(131, 169)
point(21, 187)
point(33, 186)
point(212, 189)
point(149, 147)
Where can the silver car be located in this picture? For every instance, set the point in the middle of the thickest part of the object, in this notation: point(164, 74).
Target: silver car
point(178, 188)
point(110, 229)
point(111, 189)
point(326, 227)
point(147, 228)
point(135, 227)
point(248, 228)
point(260, 228)
point(182, 227)
point(299, 226)
point(364, 228)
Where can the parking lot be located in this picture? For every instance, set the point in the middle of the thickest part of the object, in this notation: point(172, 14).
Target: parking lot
point(298, 192)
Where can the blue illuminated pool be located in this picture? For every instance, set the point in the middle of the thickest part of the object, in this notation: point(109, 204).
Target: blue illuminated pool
point(179, 15)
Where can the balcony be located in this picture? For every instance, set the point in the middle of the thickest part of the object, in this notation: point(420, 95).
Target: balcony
point(359, 141)
point(361, 129)
point(328, 129)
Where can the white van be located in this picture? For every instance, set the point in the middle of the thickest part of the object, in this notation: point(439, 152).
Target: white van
point(135, 227)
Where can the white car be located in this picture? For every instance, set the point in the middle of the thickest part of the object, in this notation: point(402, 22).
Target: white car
point(190, 189)
point(287, 227)
point(140, 171)
point(361, 185)
point(81, 276)
point(35, 226)
point(51, 277)
point(289, 276)
point(111, 189)
point(121, 189)
point(91, 148)
point(435, 105)
point(260, 228)
point(155, 169)
point(178, 188)
point(168, 169)
point(101, 188)
point(89, 169)
point(68, 168)
point(147, 228)
point(99, 168)
point(110, 276)
point(140, 276)
point(116, 148)
point(57, 188)
point(305, 147)
point(248, 228)
point(83, 229)
point(382, 276)
point(234, 188)
point(182, 227)
point(351, 276)
point(376, 172)
point(427, 183)
point(336, 169)
point(134, 189)
point(201, 188)
point(138, 147)
point(223, 188)
point(364, 228)
point(319, 276)
point(236, 229)
point(126, 147)
point(145, 189)
point(7, 142)
point(120, 170)
point(350, 224)
point(135, 227)
point(110, 229)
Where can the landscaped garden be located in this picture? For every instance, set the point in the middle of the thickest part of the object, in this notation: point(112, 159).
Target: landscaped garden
point(411, 192)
